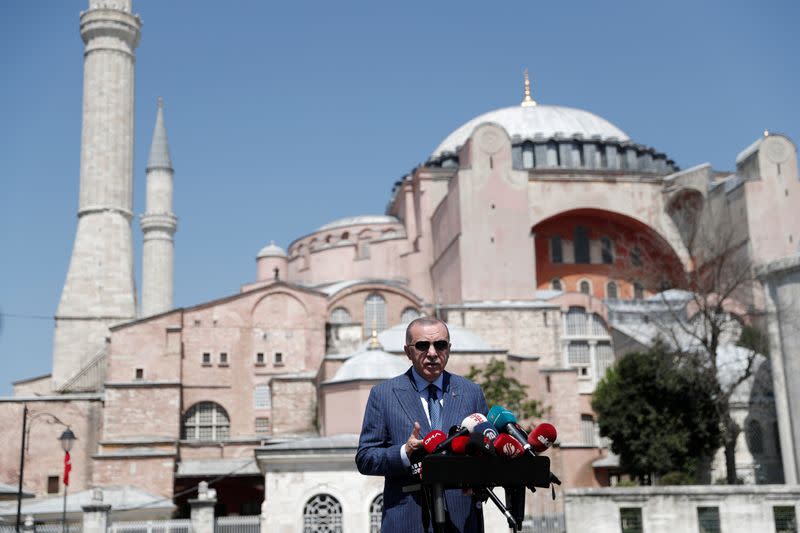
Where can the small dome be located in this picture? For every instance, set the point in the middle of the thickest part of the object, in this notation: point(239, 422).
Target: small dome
point(271, 250)
point(545, 121)
point(371, 365)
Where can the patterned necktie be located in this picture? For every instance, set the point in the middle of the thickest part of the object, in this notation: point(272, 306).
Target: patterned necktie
point(434, 409)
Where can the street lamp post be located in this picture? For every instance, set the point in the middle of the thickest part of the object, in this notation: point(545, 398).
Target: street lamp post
point(67, 439)
point(21, 465)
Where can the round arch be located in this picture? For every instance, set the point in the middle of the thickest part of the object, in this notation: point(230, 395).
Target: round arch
point(637, 248)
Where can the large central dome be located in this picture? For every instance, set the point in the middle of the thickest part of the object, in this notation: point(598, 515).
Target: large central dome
point(543, 121)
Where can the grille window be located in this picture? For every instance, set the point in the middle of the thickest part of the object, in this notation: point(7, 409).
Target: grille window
point(630, 519)
point(708, 519)
point(375, 512)
point(785, 519)
point(322, 514)
point(206, 421)
point(261, 397)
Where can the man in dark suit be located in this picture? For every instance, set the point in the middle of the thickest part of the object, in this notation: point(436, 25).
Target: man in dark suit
point(402, 409)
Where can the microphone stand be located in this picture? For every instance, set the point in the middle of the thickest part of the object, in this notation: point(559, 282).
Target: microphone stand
point(486, 492)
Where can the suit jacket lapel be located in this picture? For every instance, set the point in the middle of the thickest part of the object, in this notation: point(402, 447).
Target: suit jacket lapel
point(408, 398)
point(452, 411)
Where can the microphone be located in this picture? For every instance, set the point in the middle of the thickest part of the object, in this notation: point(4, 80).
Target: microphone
point(429, 443)
point(432, 440)
point(542, 437)
point(481, 439)
point(466, 426)
point(505, 421)
point(508, 446)
point(459, 445)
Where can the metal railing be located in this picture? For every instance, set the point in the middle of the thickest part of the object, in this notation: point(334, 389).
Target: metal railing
point(544, 523)
point(238, 524)
point(90, 377)
point(152, 526)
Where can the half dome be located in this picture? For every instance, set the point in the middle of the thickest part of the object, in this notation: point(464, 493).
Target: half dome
point(542, 121)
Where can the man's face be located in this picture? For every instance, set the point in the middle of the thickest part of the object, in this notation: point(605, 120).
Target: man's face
point(428, 363)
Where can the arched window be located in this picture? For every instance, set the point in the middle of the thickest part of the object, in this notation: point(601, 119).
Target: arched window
point(375, 513)
point(374, 314)
point(755, 438)
point(322, 514)
point(611, 290)
point(636, 256)
point(556, 285)
point(581, 245)
point(340, 315)
point(606, 250)
point(585, 287)
point(408, 314)
point(206, 421)
point(638, 291)
point(556, 252)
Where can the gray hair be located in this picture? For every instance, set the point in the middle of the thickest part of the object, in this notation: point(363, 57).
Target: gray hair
point(425, 321)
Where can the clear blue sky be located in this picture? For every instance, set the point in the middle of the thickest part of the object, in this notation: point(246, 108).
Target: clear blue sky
point(283, 116)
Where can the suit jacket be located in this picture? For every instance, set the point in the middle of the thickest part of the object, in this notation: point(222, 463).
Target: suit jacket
point(392, 409)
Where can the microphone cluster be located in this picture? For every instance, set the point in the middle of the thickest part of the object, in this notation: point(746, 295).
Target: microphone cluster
point(499, 434)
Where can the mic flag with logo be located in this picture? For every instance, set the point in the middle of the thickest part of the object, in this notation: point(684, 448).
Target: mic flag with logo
point(67, 467)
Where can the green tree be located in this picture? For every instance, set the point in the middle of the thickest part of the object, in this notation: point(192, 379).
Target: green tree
point(501, 389)
point(660, 417)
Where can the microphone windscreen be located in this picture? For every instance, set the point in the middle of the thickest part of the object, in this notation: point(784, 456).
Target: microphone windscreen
point(508, 446)
point(501, 417)
point(459, 445)
point(542, 437)
point(433, 439)
point(473, 420)
point(453, 430)
point(482, 439)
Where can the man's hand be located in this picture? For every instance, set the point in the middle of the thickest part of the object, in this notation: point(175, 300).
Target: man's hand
point(413, 442)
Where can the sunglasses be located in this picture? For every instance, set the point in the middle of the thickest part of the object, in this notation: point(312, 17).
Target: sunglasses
point(439, 346)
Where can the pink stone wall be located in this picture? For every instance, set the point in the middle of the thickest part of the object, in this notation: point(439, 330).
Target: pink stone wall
point(344, 406)
point(294, 407)
point(155, 474)
point(141, 411)
point(44, 456)
point(149, 346)
point(38, 387)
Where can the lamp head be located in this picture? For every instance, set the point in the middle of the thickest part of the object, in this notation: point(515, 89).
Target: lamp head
point(67, 439)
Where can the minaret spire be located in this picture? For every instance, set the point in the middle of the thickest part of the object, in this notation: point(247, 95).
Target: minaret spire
point(158, 225)
point(99, 290)
point(159, 149)
point(527, 101)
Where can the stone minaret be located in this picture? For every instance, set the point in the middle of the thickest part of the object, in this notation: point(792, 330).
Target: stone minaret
point(99, 290)
point(158, 225)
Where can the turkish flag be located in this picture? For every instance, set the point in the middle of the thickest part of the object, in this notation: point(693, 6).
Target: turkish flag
point(67, 467)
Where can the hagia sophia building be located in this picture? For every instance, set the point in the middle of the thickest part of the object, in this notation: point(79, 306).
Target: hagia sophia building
point(533, 230)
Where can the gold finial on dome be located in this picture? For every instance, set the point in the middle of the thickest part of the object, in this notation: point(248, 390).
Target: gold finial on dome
point(527, 101)
point(374, 343)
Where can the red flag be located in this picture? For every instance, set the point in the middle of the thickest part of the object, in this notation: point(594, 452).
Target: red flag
point(67, 467)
